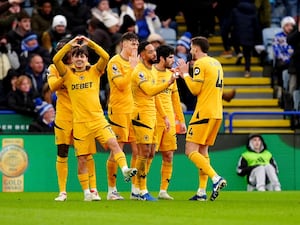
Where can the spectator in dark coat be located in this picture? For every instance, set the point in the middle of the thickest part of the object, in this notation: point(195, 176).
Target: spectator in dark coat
point(293, 39)
point(245, 31)
point(76, 13)
point(22, 99)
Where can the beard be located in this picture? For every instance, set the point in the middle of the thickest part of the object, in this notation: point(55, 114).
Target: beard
point(152, 61)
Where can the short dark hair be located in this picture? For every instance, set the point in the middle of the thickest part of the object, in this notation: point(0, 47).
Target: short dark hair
point(202, 42)
point(23, 15)
point(61, 43)
point(164, 51)
point(128, 36)
point(77, 51)
point(142, 46)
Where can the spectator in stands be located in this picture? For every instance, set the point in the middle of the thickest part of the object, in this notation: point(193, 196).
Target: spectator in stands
point(5, 5)
point(48, 96)
point(55, 33)
point(15, 36)
point(7, 84)
point(182, 48)
point(30, 46)
point(8, 58)
point(44, 122)
point(76, 13)
point(282, 53)
point(263, 8)
point(167, 16)
point(245, 32)
point(42, 17)
point(128, 25)
point(199, 17)
point(22, 99)
point(258, 164)
point(147, 22)
point(156, 40)
point(102, 9)
point(223, 10)
point(8, 17)
point(293, 39)
point(37, 72)
point(98, 34)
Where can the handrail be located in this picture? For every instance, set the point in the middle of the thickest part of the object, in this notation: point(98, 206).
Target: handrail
point(231, 115)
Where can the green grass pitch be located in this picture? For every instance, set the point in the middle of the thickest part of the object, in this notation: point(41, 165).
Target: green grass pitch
point(230, 208)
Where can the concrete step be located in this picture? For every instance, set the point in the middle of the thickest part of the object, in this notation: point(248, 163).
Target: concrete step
point(254, 95)
point(232, 60)
point(248, 103)
point(247, 81)
point(250, 90)
point(241, 68)
point(240, 74)
point(259, 123)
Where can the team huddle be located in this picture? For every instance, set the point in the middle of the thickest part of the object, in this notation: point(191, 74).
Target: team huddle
point(142, 107)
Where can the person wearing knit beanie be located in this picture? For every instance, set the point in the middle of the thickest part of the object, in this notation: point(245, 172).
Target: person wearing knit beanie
point(41, 107)
point(110, 20)
point(185, 40)
point(45, 120)
point(59, 20)
point(287, 20)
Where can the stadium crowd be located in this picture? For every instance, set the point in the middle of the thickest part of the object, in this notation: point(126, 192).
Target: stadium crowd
point(31, 30)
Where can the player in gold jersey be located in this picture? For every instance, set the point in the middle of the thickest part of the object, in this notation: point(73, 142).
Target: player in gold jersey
point(144, 90)
point(82, 82)
point(120, 105)
point(207, 85)
point(63, 130)
point(167, 141)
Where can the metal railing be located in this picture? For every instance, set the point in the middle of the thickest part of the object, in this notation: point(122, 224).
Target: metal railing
point(233, 114)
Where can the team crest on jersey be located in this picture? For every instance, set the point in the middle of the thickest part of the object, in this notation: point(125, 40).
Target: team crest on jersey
point(81, 77)
point(146, 137)
point(142, 76)
point(115, 69)
point(196, 70)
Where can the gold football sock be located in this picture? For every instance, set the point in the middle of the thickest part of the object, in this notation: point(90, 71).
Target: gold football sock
point(203, 178)
point(120, 159)
point(166, 174)
point(92, 171)
point(111, 169)
point(62, 172)
point(201, 163)
point(84, 180)
point(141, 165)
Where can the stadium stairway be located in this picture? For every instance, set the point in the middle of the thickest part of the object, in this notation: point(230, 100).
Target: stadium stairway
point(253, 94)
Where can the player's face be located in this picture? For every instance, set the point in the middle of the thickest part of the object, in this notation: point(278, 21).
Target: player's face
point(169, 61)
point(131, 46)
point(193, 52)
point(150, 54)
point(79, 61)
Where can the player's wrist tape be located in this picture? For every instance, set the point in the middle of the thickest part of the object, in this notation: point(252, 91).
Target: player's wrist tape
point(186, 74)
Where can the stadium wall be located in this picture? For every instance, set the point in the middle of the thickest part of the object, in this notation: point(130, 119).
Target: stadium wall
point(40, 175)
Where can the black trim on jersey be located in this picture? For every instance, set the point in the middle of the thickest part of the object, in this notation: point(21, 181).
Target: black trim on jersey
point(114, 124)
point(200, 122)
point(136, 123)
point(57, 126)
